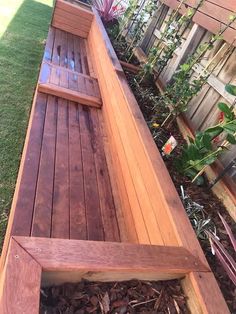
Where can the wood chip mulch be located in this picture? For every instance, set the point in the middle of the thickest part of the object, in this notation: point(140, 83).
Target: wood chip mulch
point(115, 297)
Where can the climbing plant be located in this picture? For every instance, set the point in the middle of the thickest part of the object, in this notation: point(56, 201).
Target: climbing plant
point(156, 51)
point(144, 13)
point(183, 88)
point(203, 150)
point(128, 17)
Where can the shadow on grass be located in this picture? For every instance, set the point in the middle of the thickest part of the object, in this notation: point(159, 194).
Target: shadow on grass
point(21, 48)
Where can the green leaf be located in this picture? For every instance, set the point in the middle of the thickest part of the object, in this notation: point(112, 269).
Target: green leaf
point(226, 109)
point(206, 141)
point(231, 89)
point(230, 128)
point(191, 140)
point(199, 180)
point(214, 131)
point(185, 67)
point(210, 160)
point(231, 139)
point(193, 152)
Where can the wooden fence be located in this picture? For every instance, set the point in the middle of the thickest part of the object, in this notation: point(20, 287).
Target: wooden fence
point(212, 16)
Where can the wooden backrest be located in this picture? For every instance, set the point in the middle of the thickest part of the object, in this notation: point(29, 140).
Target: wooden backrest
point(149, 199)
point(72, 17)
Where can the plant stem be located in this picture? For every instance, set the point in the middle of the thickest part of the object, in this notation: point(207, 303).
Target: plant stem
point(199, 173)
point(166, 119)
point(212, 154)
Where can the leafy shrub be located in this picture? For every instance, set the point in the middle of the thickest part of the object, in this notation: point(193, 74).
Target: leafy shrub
point(109, 10)
point(202, 150)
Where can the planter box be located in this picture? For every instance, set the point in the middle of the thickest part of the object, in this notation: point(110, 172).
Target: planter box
point(109, 183)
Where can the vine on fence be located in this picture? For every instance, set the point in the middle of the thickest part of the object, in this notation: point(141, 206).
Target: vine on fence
point(170, 39)
point(182, 89)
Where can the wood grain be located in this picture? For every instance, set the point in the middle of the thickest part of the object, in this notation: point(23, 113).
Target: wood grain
point(69, 94)
point(93, 211)
point(204, 293)
point(41, 225)
point(78, 224)
point(74, 255)
point(61, 203)
point(27, 187)
point(20, 282)
point(208, 18)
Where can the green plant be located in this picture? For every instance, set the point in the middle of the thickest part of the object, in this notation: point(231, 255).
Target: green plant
point(109, 10)
point(201, 151)
point(156, 51)
point(127, 17)
point(174, 37)
point(222, 254)
point(200, 220)
point(144, 13)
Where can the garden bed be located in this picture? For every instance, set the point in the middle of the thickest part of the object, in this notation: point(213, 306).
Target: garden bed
point(146, 94)
point(114, 297)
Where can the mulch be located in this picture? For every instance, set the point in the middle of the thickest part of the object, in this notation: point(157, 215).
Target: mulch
point(126, 297)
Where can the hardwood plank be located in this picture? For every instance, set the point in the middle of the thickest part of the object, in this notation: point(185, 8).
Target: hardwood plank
point(78, 61)
point(57, 47)
point(70, 52)
point(78, 228)
point(75, 24)
point(119, 113)
point(204, 293)
point(45, 73)
point(20, 282)
point(41, 226)
point(63, 61)
point(229, 4)
point(78, 64)
point(73, 77)
point(55, 73)
point(49, 44)
point(168, 202)
point(89, 89)
point(74, 9)
point(27, 187)
point(61, 215)
point(108, 211)
point(89, 59)
point(208, 8)
point(127, 234)
point(93, 212)
point(72, 17)
point(70, 95)
point(69, 29)
point(126, 188)
point(72, 255)
point(205, 21)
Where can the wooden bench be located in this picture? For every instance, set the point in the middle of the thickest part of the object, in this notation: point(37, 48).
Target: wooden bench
point(91, 171)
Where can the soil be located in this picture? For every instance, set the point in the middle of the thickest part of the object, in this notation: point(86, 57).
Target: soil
point(114, 297)
point(145, 93)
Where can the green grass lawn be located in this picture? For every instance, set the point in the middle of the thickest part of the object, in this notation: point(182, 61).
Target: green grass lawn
point(23, 29)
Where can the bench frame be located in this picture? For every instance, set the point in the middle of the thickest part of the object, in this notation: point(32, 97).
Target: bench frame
point(27, 261)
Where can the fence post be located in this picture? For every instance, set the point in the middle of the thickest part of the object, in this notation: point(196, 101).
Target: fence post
point(190, 45)
point(157, 21)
